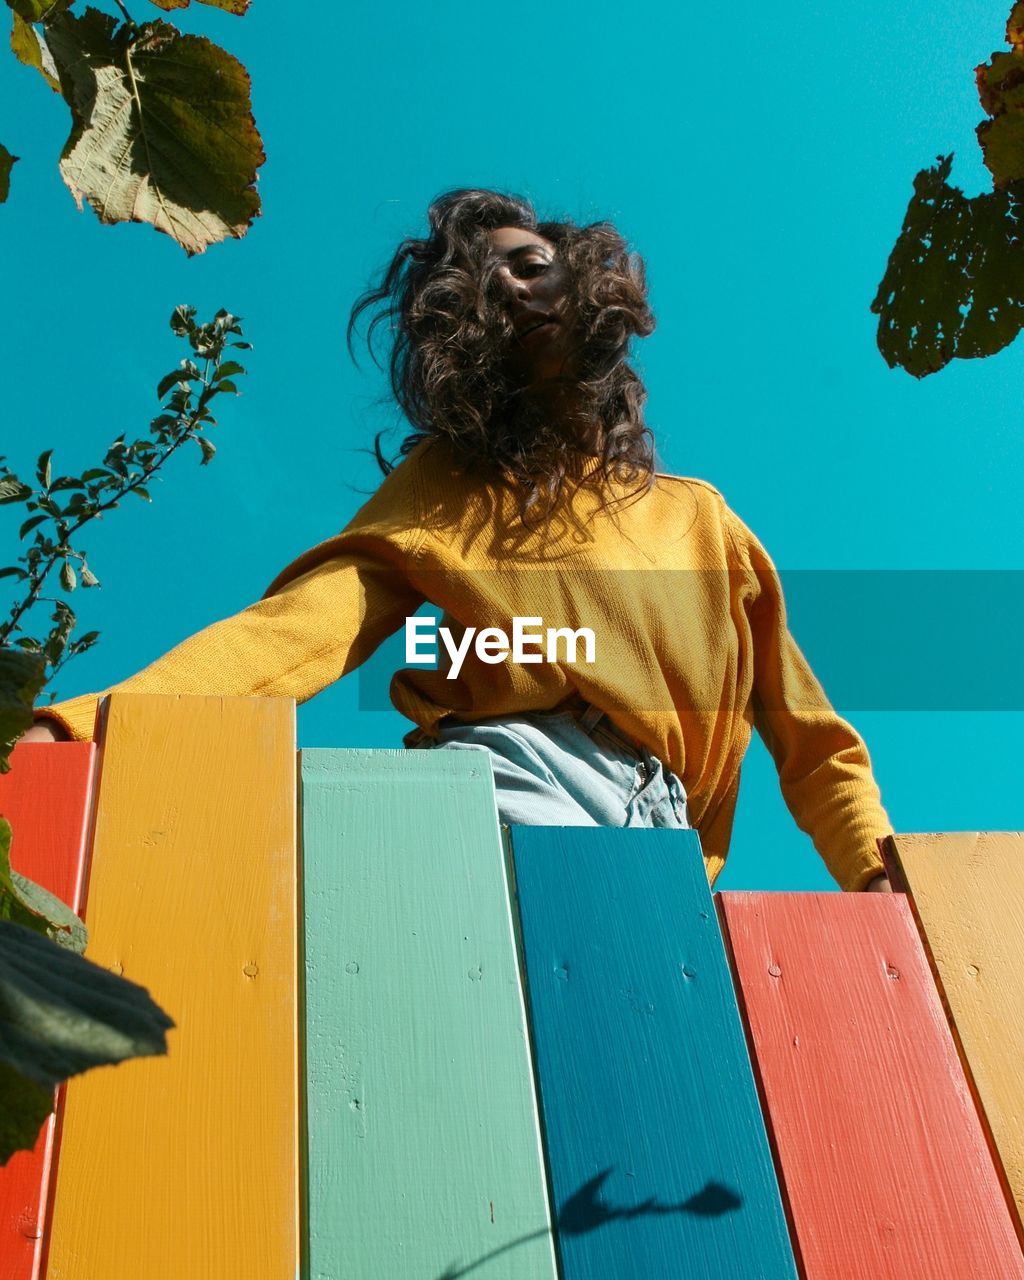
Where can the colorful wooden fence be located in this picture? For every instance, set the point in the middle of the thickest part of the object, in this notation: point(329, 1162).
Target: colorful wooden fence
point(409, 1044)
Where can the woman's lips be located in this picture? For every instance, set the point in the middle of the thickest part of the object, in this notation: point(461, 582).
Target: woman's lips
point(544, 324)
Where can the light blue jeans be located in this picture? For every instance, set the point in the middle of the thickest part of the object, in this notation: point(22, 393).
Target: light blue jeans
point(569, 769)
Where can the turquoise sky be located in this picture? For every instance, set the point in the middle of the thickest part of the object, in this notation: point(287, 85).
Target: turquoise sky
point(759, 159)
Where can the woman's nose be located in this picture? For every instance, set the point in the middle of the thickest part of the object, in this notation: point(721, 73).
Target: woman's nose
point(514, 286)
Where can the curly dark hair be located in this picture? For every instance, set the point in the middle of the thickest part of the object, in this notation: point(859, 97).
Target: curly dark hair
point(452, 333)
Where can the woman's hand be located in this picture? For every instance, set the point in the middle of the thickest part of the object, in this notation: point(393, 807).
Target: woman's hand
point(880, 884)
point(45, 731)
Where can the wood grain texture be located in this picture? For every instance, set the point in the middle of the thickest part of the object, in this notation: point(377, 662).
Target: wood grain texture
point(967, 892)
point(46, 799)
point(424, 1147)
point(885, 1166)
point(186, 1165)
point(659, 1160)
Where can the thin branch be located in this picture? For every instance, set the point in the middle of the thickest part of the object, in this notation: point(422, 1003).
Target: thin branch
point(127, 16)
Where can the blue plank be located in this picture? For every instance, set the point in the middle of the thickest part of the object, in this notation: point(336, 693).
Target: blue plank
point(658, 1157)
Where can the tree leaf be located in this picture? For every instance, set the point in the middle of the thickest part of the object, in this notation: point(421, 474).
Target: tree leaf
point(24, 1107)
point(89, 579)
point(67, 576)
point(231, 6)
point(954, 283)
point(162, 128)
point(7, 162)
point(13, 490)
point(31, 49)
point(208, 449)
point(21, 678)
point(62, 1014)
point(1001, 90)
point(38, 10)
point(43, 472)
point(30, 524)
point(30, 905)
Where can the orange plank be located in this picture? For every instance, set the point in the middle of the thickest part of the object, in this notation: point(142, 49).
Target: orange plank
point(45, 798)
point(967, 892)
point(186, 1165)
point(883, 1160)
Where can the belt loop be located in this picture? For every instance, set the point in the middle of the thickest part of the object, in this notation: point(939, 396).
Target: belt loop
point(590, 716)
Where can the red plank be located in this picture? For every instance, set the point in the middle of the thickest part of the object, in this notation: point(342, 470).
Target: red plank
point(882, 1156)
point(45, 797)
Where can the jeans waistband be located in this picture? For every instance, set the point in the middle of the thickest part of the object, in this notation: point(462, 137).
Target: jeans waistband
point(589, 716)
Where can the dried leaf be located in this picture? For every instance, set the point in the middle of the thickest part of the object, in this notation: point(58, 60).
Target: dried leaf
point(7, 162)
point(231, 6)
point(38, 10)
point(30, 48)
point(163, 129)
point(1001, 90)
point(954, 284)
point(1015, 25)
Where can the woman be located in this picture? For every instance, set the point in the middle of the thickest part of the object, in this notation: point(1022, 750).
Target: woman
point(527, 490)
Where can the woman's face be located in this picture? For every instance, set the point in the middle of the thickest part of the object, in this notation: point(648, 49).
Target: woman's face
point(536, 285)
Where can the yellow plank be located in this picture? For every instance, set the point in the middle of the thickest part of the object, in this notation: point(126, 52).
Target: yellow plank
point(967, 891)
point(186, 1166)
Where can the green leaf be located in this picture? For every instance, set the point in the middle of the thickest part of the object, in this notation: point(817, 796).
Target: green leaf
point(162, 128)
point(32, 906)
point(229, 369)
point(954, 284)
point(208, 449)
point(30, 524)
point(24, 1108)
point(7, 163)
point(43, 472)
point(67, 576)
point(12, 490)
point(62, 1015)
point(231, 6)
point(13, 572)
point(89, 579)
point(183, 320)
point(30, 48)
point(21, 678)
point(165, 384)
point(143, 494)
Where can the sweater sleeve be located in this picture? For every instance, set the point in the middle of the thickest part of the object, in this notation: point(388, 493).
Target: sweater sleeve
point(824, 769)
point(323, 615)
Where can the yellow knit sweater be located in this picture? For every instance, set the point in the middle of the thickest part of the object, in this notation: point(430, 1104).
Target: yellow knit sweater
point(692, 645)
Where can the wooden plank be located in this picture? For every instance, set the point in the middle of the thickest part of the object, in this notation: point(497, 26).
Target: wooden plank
point(967, 892)
point(658, 1155)
point(884, 1163)
point(187, 1165)
point(46, 798)
point(424, 1145)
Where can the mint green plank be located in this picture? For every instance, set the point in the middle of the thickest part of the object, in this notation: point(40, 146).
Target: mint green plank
point(424, 1143)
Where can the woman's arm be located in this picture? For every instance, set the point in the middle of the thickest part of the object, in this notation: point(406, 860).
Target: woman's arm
point(312, 630)
point(824, 769)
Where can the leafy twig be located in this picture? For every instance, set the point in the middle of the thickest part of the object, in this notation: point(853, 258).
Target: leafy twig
point(127, 468)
